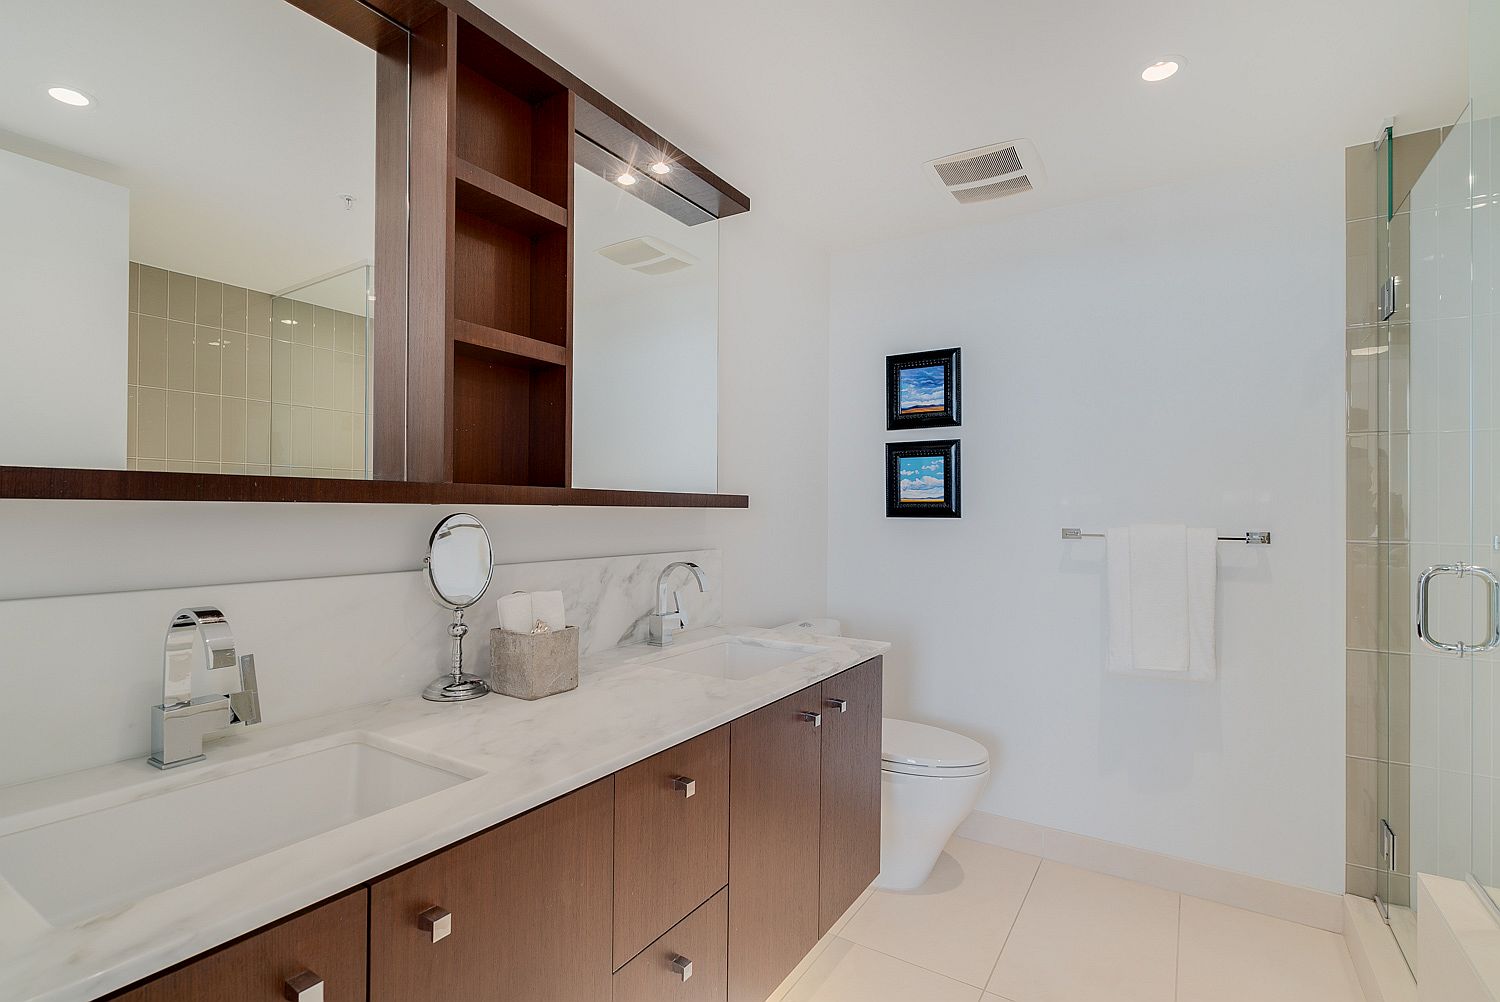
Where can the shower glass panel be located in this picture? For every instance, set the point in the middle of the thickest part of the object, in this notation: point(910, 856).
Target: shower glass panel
point(1432, 784)
point(321, 357)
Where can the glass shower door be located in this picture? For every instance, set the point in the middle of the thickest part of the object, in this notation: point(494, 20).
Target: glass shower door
point(1438, 788)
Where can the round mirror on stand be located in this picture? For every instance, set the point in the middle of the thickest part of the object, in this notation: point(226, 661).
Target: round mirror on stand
point(459, 565)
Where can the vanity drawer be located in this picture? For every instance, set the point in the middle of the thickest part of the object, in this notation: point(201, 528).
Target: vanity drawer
point(324, 944)
point(702, 940)
point(671, 838)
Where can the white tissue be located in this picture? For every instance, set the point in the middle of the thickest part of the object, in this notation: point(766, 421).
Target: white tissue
point(515, 612)
point(548, 607)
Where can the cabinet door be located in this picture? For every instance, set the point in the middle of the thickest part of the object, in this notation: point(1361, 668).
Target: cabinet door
point(324, 944)
point(773, 842)
point(671, 838)
point(520, 912)
point(850, 849)
point(702, 941)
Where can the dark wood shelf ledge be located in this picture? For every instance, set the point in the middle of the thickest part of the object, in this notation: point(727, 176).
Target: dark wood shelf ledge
point(46, 483)
point(515, 347)
point(492, 197)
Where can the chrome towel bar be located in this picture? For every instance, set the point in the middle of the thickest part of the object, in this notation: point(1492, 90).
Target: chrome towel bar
point(1260, 537)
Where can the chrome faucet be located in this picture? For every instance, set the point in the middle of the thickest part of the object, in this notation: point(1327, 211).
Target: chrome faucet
point(180, 723)
point(661, 622)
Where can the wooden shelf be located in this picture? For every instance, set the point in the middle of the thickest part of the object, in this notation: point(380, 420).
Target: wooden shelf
point(517, 348)
point(492, 197)
point(48, 483)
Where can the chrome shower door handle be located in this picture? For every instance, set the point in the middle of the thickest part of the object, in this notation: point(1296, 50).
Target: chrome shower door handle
point(1424, 608)
point(1492, 610)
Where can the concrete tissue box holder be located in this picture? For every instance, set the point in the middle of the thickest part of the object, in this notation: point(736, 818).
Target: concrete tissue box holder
point(533, 665)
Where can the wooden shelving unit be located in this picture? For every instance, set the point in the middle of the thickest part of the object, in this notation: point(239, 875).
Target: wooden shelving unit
point(489, 378)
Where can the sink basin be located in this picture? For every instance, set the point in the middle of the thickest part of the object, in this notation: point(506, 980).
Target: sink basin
point(735, 659)
point(109, 853)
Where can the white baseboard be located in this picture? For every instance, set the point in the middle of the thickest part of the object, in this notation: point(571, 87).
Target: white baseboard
point(1320, 909)
point(1382, 972)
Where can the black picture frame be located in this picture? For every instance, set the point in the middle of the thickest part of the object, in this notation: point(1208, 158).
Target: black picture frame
point(934, 415)
point(948, 504)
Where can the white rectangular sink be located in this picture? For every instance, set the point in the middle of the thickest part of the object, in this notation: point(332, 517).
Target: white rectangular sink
point(736, 659)
point(110, 853)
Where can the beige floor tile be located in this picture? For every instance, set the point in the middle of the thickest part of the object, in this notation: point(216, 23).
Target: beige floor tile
point(955, 923)
point(1085, 937)
point(1231, 955)
point(847, 972)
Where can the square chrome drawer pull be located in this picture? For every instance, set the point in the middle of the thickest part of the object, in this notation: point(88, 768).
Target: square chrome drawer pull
point(304, 987)
point(842, 705)
point(437, 921)
point(687, 786)
point(682, 966)
point(816, 719)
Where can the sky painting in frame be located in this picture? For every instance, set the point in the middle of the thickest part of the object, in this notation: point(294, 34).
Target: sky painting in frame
point(921, 478)
point(920, 390)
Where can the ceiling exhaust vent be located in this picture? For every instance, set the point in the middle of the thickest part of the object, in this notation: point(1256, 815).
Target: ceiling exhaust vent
point(649, 256)
point(989, 172)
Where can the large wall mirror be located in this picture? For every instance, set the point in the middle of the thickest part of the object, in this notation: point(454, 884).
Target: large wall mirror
point(645, 335)
point(188, 255)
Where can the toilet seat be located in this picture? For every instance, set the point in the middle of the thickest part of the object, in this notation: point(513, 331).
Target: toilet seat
point(912, 749)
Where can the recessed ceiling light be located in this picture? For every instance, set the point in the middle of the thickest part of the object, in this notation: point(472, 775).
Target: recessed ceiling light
point(1163, 68)
point(67, 95)
point(290, 323)
point(626, 178)
point(661, 167)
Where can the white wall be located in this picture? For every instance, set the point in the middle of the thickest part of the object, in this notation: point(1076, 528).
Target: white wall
point(774, 555)
point(64, 265)
point(1168, 355)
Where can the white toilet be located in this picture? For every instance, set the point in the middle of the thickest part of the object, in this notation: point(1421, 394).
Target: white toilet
point(930, 779)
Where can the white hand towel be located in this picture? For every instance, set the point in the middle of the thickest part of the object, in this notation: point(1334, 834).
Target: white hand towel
point(1161, 601)
point(515, 612)
point(548, 607)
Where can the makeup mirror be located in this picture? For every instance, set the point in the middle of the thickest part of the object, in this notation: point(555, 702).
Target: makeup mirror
point(459, 565)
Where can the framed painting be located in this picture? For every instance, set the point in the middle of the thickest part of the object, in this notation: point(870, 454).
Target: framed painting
point(922, 389)
point(923, 479)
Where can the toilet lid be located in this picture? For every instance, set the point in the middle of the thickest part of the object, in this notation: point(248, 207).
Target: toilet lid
point(923, 750)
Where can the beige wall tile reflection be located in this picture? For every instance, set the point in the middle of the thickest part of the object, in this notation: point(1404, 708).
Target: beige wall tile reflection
point(303, 374)
point(181, 359)
point(152, 363)
point(258, 313)
point(182, 297)
point(324, 367)
point(207, 409)
point(210, 304)
point(258, 368)
point(258, 432)
point(232, 363)
point(151, 419)
point(153, 291)
point(324, 334)
point(343, 331)
point(232, 431)
point(209, 356)
point(236, 306)
point(180, 425)
point(133, 350)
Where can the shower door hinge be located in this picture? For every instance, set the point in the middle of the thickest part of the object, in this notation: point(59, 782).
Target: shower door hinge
point(1387, 845)
point(1386, 308)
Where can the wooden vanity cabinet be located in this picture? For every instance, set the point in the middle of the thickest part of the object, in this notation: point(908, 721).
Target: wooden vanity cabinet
point(774, 816)
point(671, 838)
point(849, 851)
point(735, 850)
point(520, 911)
point(697, 947)
point(325, 944)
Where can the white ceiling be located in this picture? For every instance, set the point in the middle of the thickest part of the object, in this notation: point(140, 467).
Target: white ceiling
point(824, 111)
point(236, 124)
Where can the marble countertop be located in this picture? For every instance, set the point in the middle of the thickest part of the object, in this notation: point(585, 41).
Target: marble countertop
point(522, 754)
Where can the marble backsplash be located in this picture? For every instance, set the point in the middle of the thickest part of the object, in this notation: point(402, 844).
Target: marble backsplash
point(78, 674)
